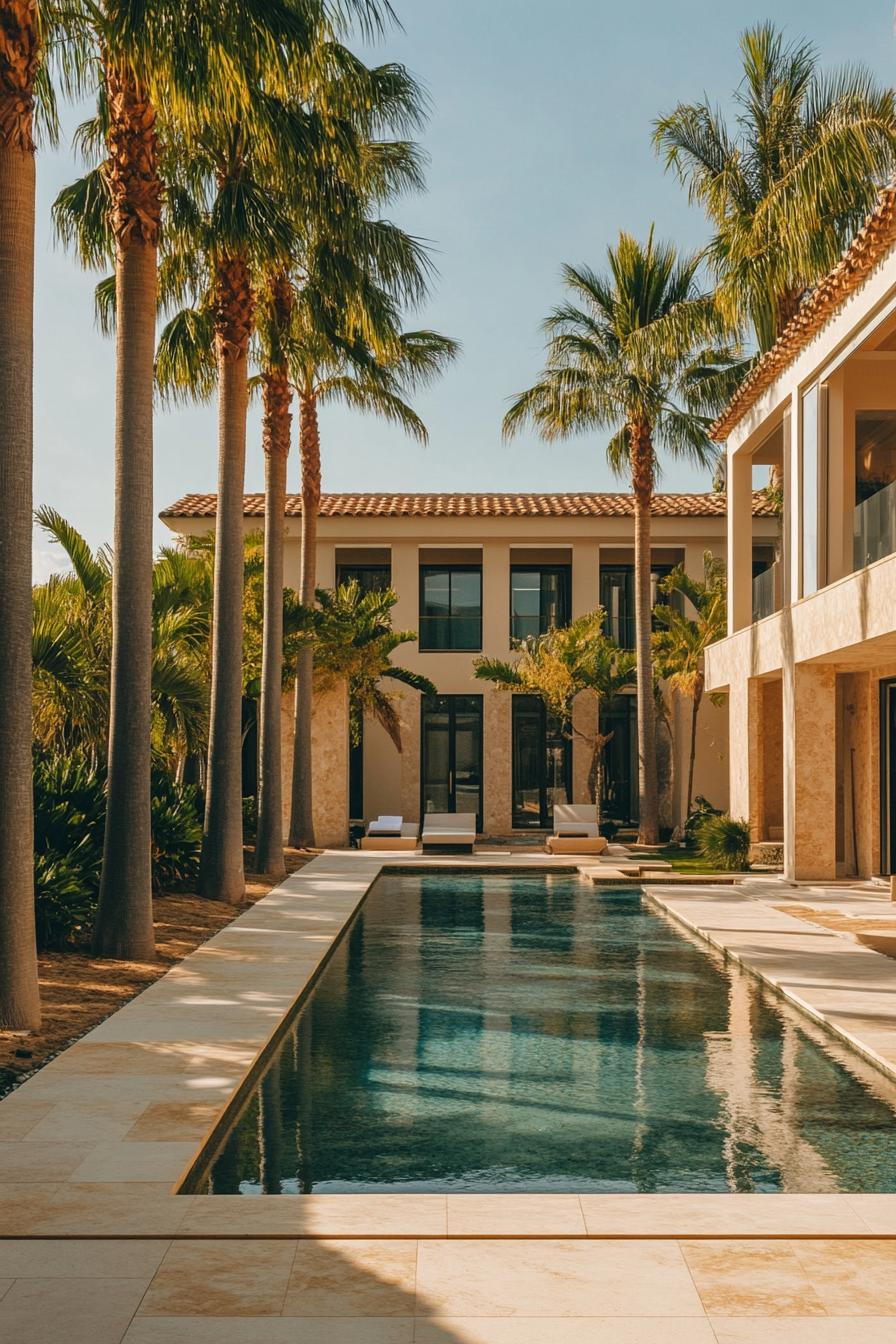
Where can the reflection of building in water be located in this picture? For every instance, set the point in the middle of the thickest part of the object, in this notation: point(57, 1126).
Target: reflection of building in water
point(754, 1116)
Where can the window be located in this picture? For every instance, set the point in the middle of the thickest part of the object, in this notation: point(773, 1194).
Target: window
point(370, 578)
point(450, 608)
point(539, 599)
point(542, 762)
point(617, 597)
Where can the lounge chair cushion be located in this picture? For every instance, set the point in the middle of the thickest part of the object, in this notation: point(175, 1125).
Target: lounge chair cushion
point(385, 826)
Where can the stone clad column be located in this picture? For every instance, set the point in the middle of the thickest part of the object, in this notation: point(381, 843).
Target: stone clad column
point(740, 723)
point(584, 720)
point(329, 764)
point(810, 771)
point(410, 711)
point(740, 541)
point(497, 763)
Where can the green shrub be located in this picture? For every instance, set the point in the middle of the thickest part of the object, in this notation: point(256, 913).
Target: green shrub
point(701, 808)
point(724, 842)
point(176, 834)
point(69, 820)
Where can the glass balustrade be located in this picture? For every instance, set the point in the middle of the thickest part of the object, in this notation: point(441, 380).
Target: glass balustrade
point(874, 527)
point(766, 592)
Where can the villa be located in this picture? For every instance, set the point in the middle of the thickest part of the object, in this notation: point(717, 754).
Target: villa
point(809, 663)
point(476, 574)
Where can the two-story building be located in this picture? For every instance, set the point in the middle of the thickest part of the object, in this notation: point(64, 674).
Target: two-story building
point(476, 574)
point(809, 663)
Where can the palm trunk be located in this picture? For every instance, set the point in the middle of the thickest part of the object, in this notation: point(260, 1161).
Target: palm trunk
point(641, 448)
point(695, 710)
point(19, 56)
point(277, 423)
point(221, 875)
point(301, 825)
point(124, 923)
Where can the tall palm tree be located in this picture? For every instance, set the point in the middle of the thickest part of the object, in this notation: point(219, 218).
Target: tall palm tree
point(637, 351)
point(680, 642)
point(277, 309)
point(20, 58)
point(787, 187)
point(346, 369)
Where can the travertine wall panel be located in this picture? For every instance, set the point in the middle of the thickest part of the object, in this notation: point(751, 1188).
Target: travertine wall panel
point(329, 763)
point(497, 763)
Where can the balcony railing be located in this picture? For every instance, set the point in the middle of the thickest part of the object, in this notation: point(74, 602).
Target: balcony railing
point(874, 527)
point(767, 592)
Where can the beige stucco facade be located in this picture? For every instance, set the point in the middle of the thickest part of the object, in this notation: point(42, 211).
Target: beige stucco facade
point(807, 681)
point(392, 781)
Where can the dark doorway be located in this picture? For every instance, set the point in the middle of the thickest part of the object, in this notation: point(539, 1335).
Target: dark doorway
point(451, 744)
point(542, 763)
point(620, 793)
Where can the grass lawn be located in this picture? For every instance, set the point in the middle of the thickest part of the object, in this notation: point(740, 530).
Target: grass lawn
point(685, 860)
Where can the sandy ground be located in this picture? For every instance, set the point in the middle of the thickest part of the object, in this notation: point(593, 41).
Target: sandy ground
point(78, 991)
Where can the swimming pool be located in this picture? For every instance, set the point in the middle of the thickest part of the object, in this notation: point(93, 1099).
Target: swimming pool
point(530, 1032)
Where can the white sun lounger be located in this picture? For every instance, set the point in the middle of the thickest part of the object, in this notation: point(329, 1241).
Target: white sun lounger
point(576, 830)
point(450, 830)
point(391, 833)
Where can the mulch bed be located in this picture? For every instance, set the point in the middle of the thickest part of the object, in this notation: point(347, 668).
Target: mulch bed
point(78, 990)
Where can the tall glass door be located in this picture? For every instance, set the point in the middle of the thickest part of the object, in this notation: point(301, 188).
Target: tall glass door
point(451, 773)
point(620, 792)
point(542, 763)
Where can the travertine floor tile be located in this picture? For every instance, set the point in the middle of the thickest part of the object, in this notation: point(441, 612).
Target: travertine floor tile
point(85, 1121)
point(135, 1162)
point(170, 1121)
point(317, 1215)
point(208, 1278)
point(722, 1215)
point(562, 1330)
point(814, 1330)
point(5, 1285)
point(852, 1278)
point(751, 1278)
point(352, 1278)
point(515, 1215)
point(877, 1212)
point(23, 1207)
point(269, 1330)
point(41, 1162)
point(69, 1259)
point(18, 1116)
point(553, 1278)
point(111, 1209)
point(68, 1311)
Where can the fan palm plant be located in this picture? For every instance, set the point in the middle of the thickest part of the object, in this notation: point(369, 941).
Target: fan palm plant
point(680, 641)
point(353, 642)
point(558, 667)
point(640, 352)
point(785, 189)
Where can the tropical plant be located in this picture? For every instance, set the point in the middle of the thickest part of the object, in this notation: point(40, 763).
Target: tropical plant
point(69, 815)
point(352, 643)
point(701, 808)
point(786, 189)
point(558, 667)
point(680, 641)
point(71, 651)
point(724, 842)
point(176, 834)
point(639, 351)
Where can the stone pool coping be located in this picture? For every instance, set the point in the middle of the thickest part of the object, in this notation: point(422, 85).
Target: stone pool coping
point(97, 1142)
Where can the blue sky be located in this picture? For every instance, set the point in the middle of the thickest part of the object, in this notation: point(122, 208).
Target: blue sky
point(540, 151)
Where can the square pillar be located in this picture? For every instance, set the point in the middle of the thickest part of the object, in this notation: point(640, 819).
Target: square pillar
point(740, 541)
point(739, 749)
point(410, 712)
point(810, 772)
point(497, 755)
point(495, 599)
point(329, 766)
point(585, 578)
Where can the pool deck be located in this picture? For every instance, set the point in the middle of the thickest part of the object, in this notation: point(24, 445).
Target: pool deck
point(95, 1244)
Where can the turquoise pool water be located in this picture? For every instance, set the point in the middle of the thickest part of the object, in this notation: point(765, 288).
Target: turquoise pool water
point(482, 1032)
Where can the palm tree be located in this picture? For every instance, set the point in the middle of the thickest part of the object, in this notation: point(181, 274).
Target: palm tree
point(353, 642)
point(558, 667)
point(326, 367)
point(680, 642)
point(636, 351)
point(277, 307)
point(787, 188)
point(19, 996)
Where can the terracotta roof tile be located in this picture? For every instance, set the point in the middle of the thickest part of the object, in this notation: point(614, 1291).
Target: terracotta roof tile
point(867, 250)
point(476, 506)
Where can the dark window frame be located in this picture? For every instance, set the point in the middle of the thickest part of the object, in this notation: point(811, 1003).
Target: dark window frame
point(450, 705)
point(346, 572)
point(564, 572)
point(520, 704)
point(422, 641)
point(660, 572)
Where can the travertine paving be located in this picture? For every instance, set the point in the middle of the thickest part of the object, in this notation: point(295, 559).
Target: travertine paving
point(96, 1246)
